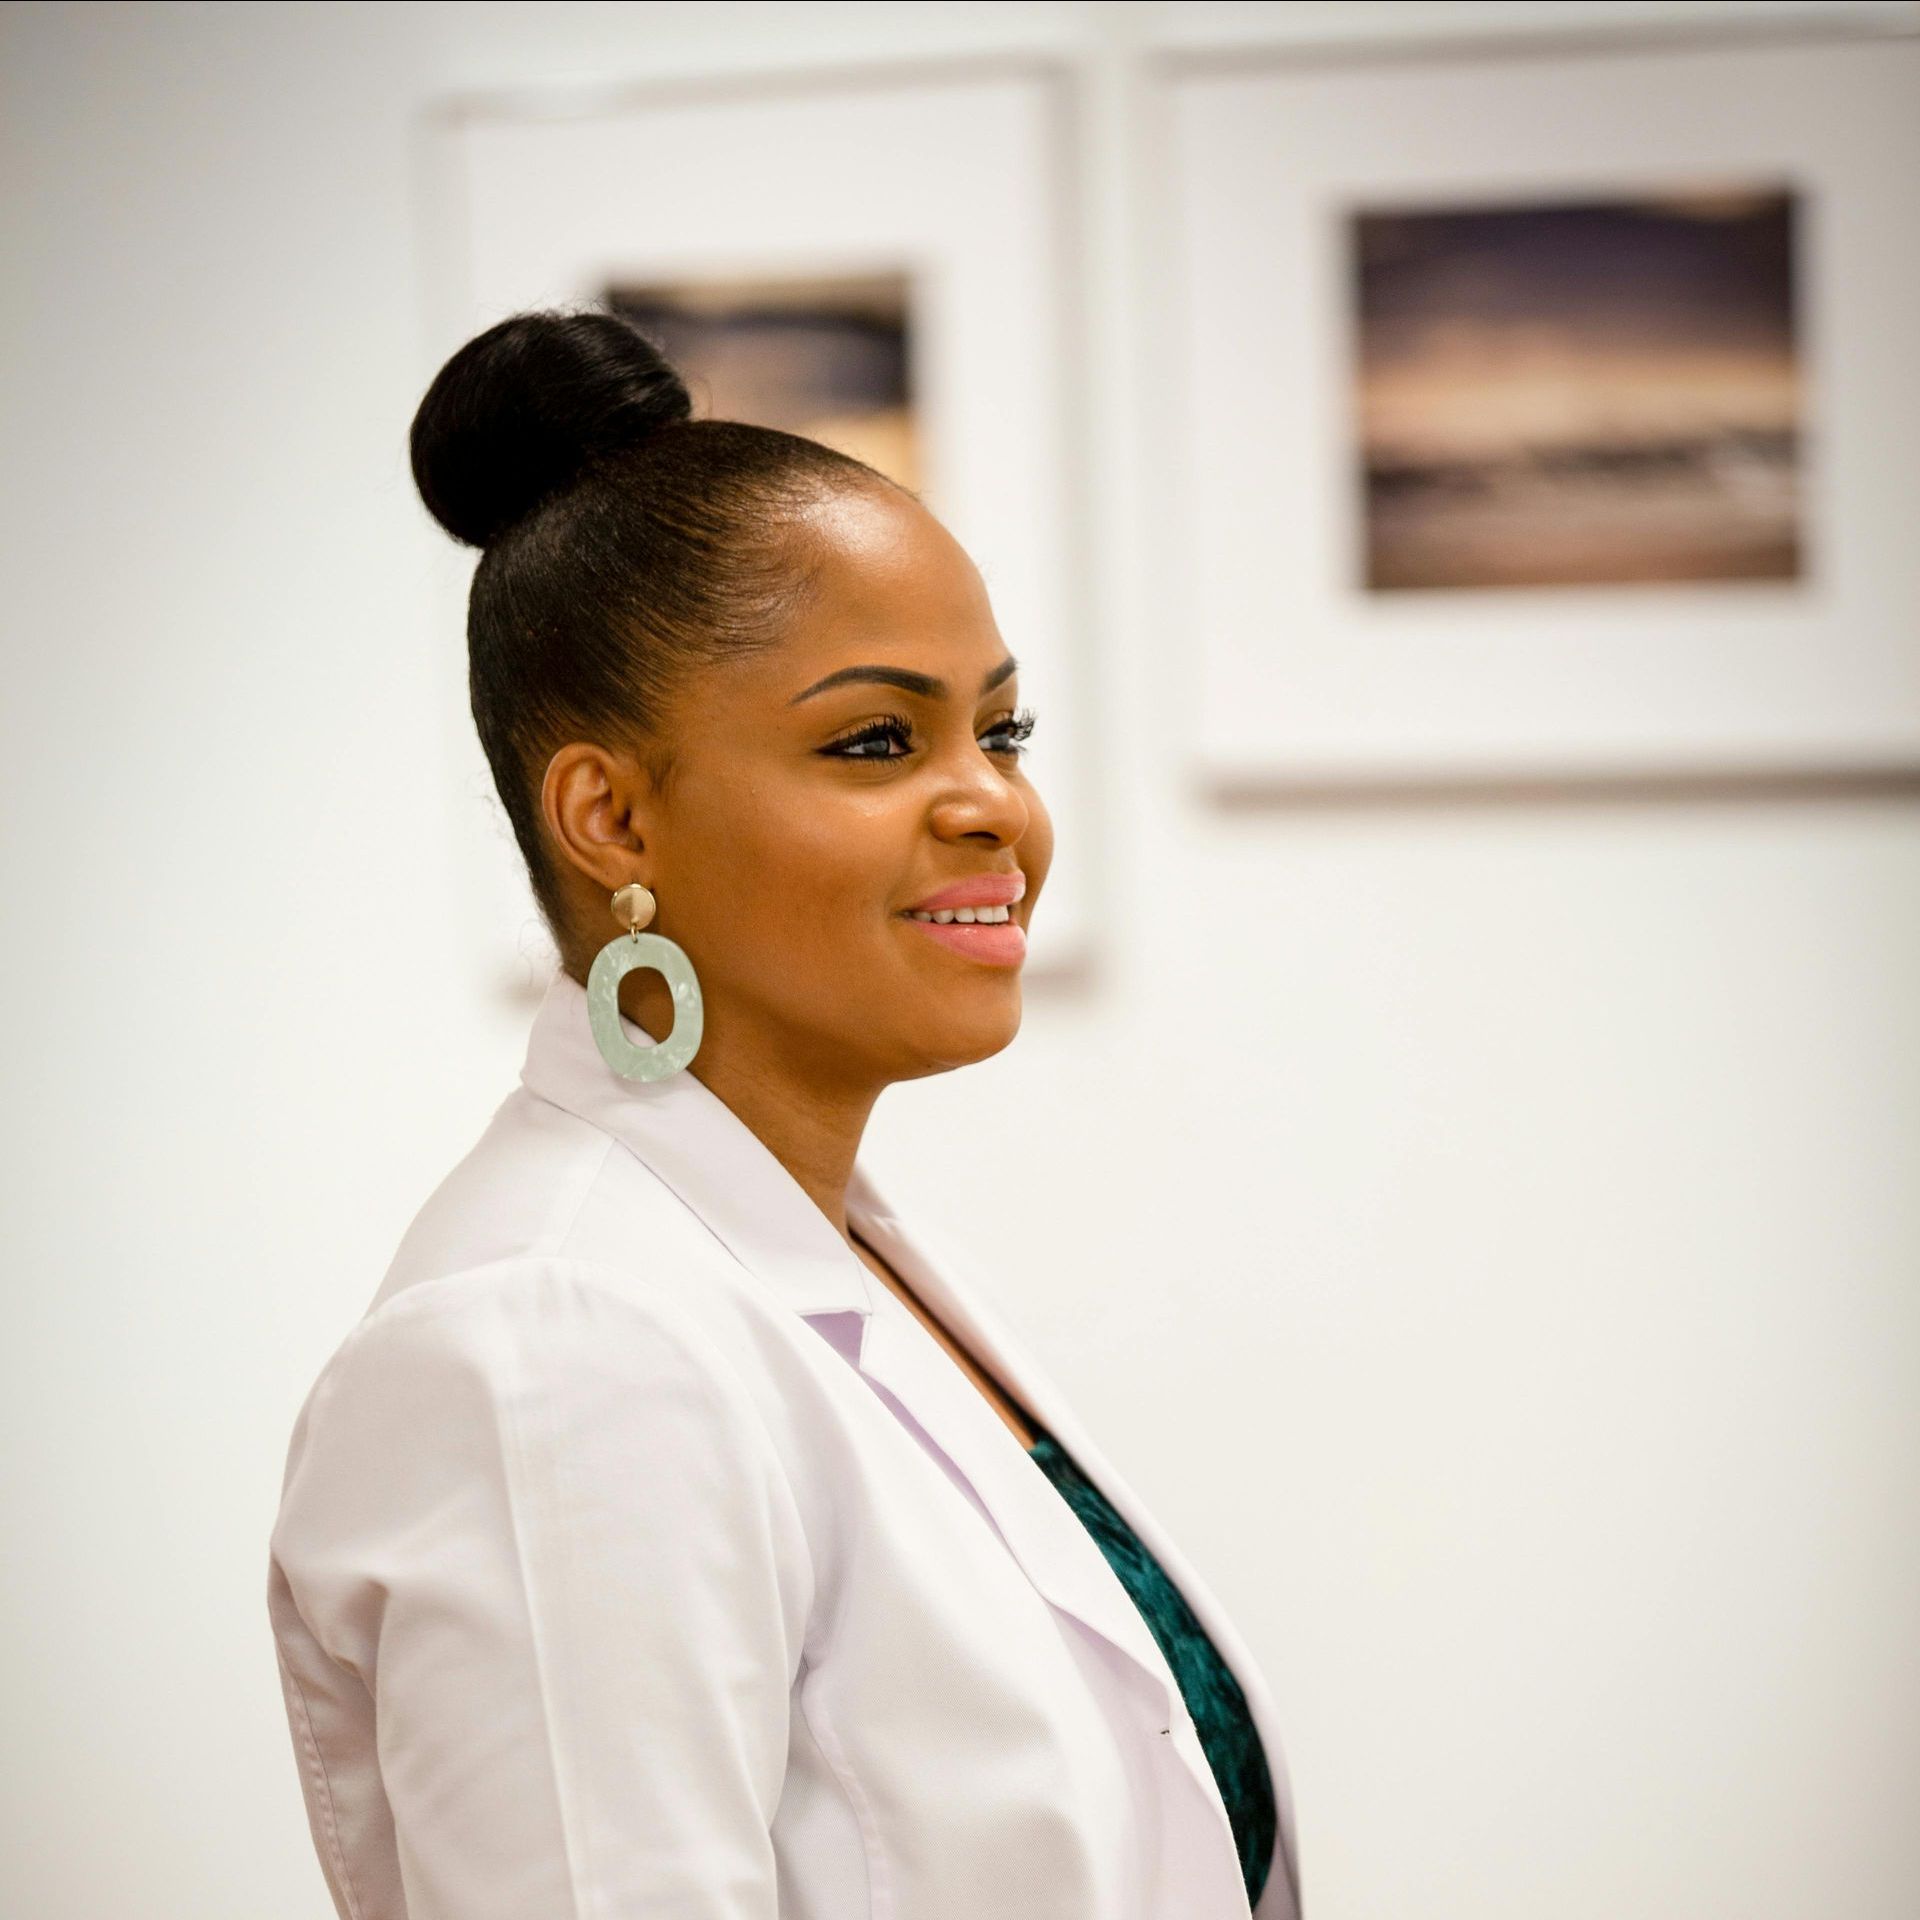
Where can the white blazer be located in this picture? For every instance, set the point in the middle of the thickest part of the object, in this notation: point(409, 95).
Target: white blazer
point(641, 1557)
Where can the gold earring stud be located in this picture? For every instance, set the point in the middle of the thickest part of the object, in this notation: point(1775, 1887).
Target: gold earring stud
point(633, 906)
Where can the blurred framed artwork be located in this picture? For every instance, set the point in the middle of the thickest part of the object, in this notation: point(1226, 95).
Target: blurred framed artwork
point(1546, 417)
point(877, 259)
point(1577, 392)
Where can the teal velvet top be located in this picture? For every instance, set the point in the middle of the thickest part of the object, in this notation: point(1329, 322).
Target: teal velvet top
point(1213, 1696)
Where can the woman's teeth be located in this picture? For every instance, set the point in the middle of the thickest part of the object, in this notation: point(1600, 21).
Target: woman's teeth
point(977, 916)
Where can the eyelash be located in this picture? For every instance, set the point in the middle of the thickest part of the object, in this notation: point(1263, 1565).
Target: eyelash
point(888, 724)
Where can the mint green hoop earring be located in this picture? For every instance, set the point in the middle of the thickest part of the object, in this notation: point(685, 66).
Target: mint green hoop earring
point(633, 908)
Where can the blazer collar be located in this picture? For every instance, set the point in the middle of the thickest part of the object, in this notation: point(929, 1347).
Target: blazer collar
point(709, 1156)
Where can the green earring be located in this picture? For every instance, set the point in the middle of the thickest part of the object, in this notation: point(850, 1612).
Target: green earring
point(633, 908)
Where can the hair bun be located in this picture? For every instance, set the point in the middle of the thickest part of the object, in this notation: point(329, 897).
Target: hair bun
point(516, 415)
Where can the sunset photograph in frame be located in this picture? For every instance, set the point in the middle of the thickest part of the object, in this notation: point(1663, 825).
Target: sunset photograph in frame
point(1585, 392)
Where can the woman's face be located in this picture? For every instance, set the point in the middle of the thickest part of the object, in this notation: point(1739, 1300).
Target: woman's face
point(809, 811)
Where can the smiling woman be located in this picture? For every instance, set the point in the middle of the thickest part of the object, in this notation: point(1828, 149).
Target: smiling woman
point(793, 824)
point(676, 1533)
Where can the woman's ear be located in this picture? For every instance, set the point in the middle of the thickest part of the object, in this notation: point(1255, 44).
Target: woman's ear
point(595, 803)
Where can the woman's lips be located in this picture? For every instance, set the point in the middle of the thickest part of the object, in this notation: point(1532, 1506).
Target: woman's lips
point(1000, 944)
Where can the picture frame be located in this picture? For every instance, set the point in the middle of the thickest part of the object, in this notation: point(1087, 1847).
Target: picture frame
point(742, 181)
point(1306, 683)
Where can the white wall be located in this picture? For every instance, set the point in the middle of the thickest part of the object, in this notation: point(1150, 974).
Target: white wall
point(1530, 1357)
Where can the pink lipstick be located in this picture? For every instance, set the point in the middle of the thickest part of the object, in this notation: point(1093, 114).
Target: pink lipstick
point(998, 941)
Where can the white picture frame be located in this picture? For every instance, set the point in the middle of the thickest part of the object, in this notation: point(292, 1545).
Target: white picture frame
point(964, 173)
point(1304, 683)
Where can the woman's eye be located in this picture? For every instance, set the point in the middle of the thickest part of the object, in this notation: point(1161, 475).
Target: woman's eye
point(869, 742)
point(893, 726)
point(1016, 731)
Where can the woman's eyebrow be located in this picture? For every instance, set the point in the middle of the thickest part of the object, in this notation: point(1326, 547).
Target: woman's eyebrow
point(906, 678)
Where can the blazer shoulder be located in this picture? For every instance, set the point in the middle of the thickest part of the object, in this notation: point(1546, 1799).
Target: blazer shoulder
point(536, 1391)
point(518, 1330)
point(499, 1314)
point(526, 1188)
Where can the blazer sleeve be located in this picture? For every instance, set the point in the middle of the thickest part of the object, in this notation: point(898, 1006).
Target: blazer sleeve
point(542, 1520)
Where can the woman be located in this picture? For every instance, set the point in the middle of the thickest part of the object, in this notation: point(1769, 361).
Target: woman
point(678, 1534)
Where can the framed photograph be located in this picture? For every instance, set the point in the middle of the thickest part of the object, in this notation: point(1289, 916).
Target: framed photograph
point(879, 260)
point(1577, 392)
point(1546, 415)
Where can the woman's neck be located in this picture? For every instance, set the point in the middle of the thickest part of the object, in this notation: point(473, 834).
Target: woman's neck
point(812, 1126)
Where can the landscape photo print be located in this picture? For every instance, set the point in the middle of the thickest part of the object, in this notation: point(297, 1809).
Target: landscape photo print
point(1579, 392)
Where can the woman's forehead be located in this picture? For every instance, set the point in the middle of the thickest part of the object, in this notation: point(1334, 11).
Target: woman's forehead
point(888, 586)
point(879, 557)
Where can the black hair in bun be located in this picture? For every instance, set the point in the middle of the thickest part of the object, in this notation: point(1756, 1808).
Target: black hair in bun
point(521, 410)
point(625, 545)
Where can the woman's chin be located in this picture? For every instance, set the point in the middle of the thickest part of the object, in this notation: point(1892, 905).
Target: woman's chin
point(958, 1036)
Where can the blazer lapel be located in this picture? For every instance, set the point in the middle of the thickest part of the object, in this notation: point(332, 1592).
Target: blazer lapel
point(900, 1356)
point(1063, 1562)
point(1054, 1549)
